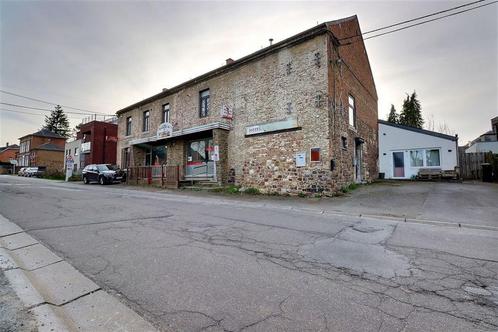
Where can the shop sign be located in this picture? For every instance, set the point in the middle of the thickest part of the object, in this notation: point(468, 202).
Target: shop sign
point(165, 129)
point(271, 126)
point(226, 112)
point(301, 159)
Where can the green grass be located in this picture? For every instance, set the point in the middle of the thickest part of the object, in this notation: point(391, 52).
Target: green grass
point(252, 191)
point(350, 187)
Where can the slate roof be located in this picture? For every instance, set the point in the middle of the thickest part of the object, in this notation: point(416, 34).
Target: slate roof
point(418, 130)
point(12, 146)
point(45, 133)
point(49, 147)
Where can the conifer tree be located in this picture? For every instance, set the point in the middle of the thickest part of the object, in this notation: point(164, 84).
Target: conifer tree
point(411, 114)
point(57, 122)
point(393, 116)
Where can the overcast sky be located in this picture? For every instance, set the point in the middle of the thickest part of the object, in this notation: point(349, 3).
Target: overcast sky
point(103, 56)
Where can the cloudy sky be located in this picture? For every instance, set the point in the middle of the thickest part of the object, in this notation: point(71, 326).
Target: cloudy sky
point(104, 55)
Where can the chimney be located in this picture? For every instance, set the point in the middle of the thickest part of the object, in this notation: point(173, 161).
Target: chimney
point(165, 89)
point(7, 144)
point(229, 61)
point(271, 41)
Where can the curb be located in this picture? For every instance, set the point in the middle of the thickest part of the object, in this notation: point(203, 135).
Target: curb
point(59, 296)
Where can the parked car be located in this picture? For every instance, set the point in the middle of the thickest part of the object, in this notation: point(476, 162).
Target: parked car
point(37, 171)
point(102, 173)
point(21, 171)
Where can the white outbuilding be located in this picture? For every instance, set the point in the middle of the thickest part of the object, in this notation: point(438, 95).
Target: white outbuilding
point(404, 150)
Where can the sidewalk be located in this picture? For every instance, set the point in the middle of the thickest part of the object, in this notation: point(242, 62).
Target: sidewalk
point(53, 293)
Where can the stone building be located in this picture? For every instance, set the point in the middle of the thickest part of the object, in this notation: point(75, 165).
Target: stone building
point(297, 116)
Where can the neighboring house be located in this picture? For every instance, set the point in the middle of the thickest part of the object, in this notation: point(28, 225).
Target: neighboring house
point(43, 148)
point(486, 142)
point(98, 142)
point(297, 116)
point(404, 150)
point(7, 154)
point(72, 150)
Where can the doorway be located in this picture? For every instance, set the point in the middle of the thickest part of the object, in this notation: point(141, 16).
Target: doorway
point(398, 164)
point(199, 163)
point(358, 161)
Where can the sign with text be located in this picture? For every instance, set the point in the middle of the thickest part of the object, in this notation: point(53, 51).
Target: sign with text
point(165, 129)
point(85, 147)
point(301, 159)
point(215, 156)
point(271, 127)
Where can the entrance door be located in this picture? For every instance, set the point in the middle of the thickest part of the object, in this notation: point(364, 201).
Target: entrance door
point(199, 163)
point(358, 162)
point(398, 164)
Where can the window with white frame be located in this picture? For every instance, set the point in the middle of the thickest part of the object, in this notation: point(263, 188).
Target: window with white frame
point(432, 157)
point(417, 158)
point(165, 113)
point(145, 122)
point(352, 111)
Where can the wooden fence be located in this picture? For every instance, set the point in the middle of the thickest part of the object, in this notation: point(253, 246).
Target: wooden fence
point(166, 176)
point(470, 164)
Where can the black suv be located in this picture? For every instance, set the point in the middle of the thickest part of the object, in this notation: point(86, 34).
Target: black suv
point(102, 173)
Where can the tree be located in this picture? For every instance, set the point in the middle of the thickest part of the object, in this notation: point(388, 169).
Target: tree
point(57, 122)
point(411, 115)
point(393, 116)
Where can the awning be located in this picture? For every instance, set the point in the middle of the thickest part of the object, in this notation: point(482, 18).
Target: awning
point(182, 132)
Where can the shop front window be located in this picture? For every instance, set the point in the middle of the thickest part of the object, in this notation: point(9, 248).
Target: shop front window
point(199, 153)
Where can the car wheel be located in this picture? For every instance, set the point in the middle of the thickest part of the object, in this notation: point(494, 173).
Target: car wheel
point(102, 180)
point(85, 180)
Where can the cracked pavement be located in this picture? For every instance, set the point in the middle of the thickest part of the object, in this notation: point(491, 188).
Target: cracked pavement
point(188, 262)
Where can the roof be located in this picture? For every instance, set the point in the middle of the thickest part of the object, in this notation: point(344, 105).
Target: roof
point(296, 39)
point(49, 147)
point(419, 130)
point(10, 147)
point(44, 133)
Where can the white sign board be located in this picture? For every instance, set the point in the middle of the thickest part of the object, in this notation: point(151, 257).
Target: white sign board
point(226, 112)
point(215, 156)
point(301, 159)
point(85, 147)
point(165, 129)
point(271, 127)
point(69, 167)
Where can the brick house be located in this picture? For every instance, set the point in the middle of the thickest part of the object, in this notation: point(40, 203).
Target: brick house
point(43, 148)
point(297, 116)
point(8, 153)
point(98, 140)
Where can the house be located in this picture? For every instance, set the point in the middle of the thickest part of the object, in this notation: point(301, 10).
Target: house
point(404, 150)
point(297, 116)
point(72, 150)
point(7, 155)
point(42, 148)
point(486, 142)
point(98, 141)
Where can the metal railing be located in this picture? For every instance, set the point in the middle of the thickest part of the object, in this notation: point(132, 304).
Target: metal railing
point(166, 176)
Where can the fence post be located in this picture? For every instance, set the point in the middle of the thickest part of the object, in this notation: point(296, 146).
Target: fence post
point(162, 176)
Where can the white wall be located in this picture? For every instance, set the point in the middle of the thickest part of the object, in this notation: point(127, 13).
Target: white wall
point(483, 147)
point(76, 157)
point(394, 139)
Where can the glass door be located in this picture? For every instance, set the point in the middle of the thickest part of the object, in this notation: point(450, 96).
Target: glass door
point(398, 164)
point(199, 162)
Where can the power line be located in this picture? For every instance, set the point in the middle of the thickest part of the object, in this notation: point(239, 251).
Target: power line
point(48, 102)
point(424, 16)
point(29, 113)
point(419, 23)
point(44, 109)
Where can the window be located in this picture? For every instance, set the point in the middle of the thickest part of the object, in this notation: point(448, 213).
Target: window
point(352, 111)
point(416, 158)
point(146, 121)
point(126, 158)
point(432, 157)
point(165, 113)
point(315, 154)
point(204, 103)
point(344, 142)
point(75, 151)
point(128, 126)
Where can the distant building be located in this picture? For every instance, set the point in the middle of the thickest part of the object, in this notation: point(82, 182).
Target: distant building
point(486, 142)
point(7, 154)
point(73, 151)
point(42, 148)
point(404, 150)
point(297, 116)
point(98, 140)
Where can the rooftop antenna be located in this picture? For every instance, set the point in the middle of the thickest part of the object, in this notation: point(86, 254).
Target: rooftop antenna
point(271, 41)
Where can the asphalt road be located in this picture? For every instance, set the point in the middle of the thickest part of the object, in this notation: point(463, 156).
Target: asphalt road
point(192, 262)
